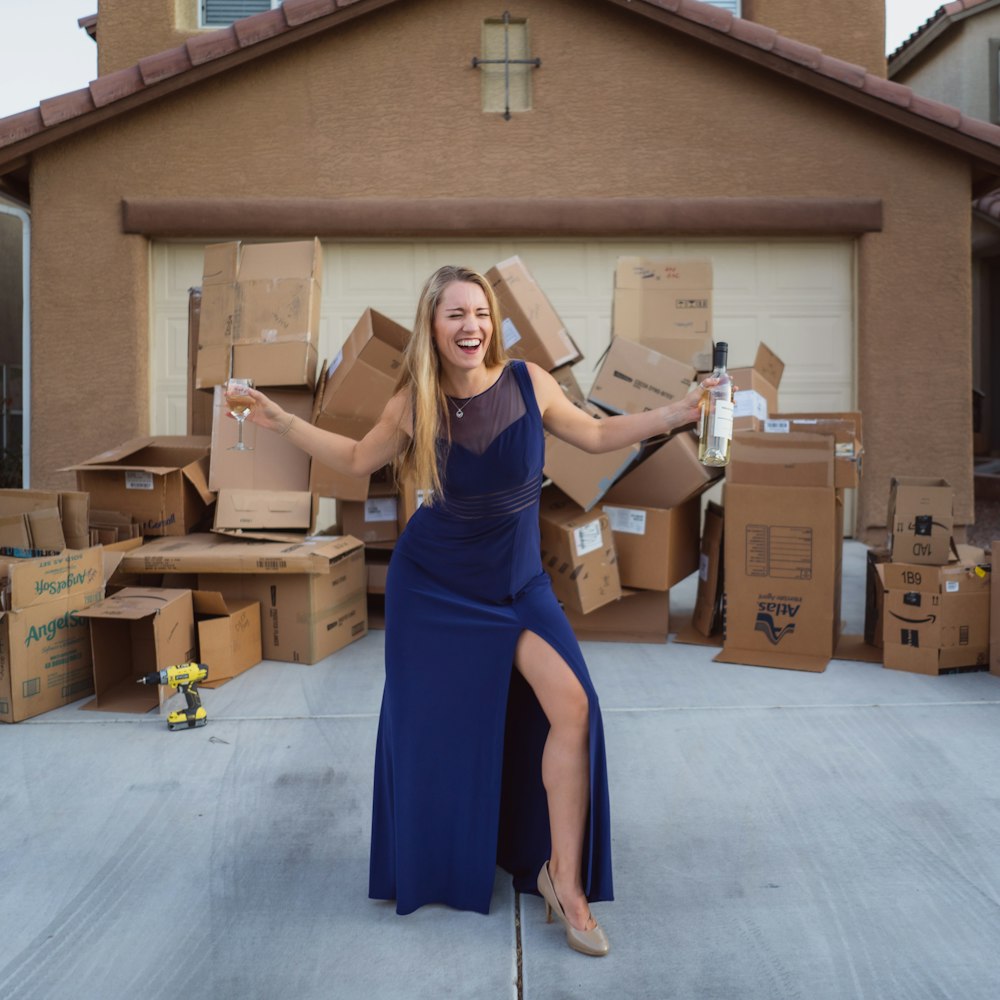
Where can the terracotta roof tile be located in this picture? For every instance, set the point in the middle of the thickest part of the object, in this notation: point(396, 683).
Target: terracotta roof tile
point(66, 106)
point(259, 27)
point(114, 86)
point(14, 128)
point(706, 13)
point(164, 64)
point(672, 5)
point(886, 90)
point(979, 129)
point(211, 45)
point(752, 33)
point(943, 113)
point(798, 52)
point(301, 11)
point(939, 17)
point(845, 72)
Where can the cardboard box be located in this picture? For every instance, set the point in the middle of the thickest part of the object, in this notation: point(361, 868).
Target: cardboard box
point(636, 616)
point(161, 482)
point(756, 397)
point(237, 511)
point(656, 548)
point(707, 616)
point(874, 594)
point(199, 401)
point(845, 428)
point(45, 655)
point(936, 618)
point(274, 463)
point(531, 328)
point(371, 520)
point(921, 520)
point(408, 500)
point(327, 482)
point(665, 475)
point(132, 633)
point(665, 304)
point(228, 635)
point(260, 306)
point(995, 614)
point(783, 546)
point(578, 553)
point(567, 382)
point(584, 477)
point(69, 526)
point(634, 378)
point(362, 378)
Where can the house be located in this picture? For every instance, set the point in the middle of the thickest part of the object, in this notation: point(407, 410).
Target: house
point(955, 58)
point(833, 203)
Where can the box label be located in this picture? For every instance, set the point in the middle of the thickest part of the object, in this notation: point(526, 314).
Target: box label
point(627, 521)
point(138, 480)
point(703, 565)
point(335, 364)
point(779, 551)
point(777, 427)
point(587, 538)
point(380, 509)
point(749, 403)
point(510, 334)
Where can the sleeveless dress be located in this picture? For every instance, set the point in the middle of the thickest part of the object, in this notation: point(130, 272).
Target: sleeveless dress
point(458, 782)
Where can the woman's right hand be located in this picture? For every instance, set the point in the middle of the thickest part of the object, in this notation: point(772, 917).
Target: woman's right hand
point(266, 413)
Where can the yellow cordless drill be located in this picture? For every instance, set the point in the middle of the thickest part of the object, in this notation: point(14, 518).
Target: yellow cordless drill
point(185, 677)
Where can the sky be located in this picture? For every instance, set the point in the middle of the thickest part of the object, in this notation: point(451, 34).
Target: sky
point(43, 52)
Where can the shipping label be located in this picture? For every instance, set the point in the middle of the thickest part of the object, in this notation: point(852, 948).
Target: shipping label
point(510, 334)
point(748, 403)
point(380, 509)
point(135, 480)
point(627, 521)
point(588, 538)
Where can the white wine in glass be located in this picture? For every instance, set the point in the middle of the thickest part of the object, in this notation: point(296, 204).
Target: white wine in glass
point(240, 405)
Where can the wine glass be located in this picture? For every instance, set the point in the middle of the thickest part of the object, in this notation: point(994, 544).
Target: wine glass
point(240, 405)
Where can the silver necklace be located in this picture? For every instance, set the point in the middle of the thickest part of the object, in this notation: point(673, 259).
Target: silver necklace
point(460, 410)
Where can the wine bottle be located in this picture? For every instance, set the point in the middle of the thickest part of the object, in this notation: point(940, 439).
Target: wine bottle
point(715, 428)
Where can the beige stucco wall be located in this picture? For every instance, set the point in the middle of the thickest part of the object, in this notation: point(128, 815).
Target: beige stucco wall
point(621, 110)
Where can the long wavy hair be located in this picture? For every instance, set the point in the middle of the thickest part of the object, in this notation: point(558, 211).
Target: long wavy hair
point(422, 459)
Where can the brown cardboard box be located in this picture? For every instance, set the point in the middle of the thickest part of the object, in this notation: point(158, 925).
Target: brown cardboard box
point(845, 429)
point(636, 616)
point(45, 657)
point(656, 548)
point(72, 508)
point(371, 520)
point(937, 618)
point(274, 463)
point(634, 378)
point(874, 596)
point(567, 382)
point(756, 397)
point(409, 499)
point(584, 477)
point(325, 481)
point(707, 616)
point(132, 633)
point(362, 378)
point(578, 553)
point(666, 475)
point(228, 635)
point(237, 511)
point(260, 305)
point(531, 328)
point(995, 613)
point(666, 304)
point(199, 401)
point(783, 545)
point(921, 520)
point(162, 482)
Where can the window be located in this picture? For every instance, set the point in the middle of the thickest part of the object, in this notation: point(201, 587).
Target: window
point(506, 65)
point(218, 13)
point(734, 7)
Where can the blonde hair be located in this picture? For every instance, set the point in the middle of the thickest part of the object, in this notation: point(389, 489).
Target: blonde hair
point(422, 459)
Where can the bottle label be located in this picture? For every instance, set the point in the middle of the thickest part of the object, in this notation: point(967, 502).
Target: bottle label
point(722, 420)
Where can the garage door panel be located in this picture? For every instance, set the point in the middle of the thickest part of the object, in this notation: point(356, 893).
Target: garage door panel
point(807, 271)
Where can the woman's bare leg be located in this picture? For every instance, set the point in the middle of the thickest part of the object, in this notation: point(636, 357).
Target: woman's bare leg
point(565, 767)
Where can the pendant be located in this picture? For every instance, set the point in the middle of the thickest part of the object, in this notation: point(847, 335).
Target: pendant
point(458, 413)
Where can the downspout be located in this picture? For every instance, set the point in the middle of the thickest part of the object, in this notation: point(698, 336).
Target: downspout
point(25, 339)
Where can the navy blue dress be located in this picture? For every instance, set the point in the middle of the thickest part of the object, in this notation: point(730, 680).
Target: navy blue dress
point(458, 783)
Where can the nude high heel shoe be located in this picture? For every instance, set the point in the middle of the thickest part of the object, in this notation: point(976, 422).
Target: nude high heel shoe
point(593, 942)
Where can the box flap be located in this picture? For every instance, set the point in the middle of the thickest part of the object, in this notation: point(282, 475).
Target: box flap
point(221, 263)
point(793, 459)
point(666, 274)
point(768, 364)
point(197, 475)
point(209, 602)
point(133, 603)
point(765, 658)
point(277, 261)
point(36, 581)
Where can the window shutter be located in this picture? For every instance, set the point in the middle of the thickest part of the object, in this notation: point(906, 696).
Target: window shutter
point(733, 6)
point(220, 12)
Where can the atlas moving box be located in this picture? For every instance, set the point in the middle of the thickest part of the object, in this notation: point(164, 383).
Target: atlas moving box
point(312, 592)
point(845, 428)
point(995, 615)
point(921, 520)
point(578, 553)
point(67, 528)
point(45, 656)
point(531, 329)
point(665, 304)
point(636, 616)
point(161, 482)
point(134, 632)
point(584, 477)
point(260, 306)
point(634, 378)
point(656, 547)
point(228, 635)
point(373, 520)
point(937, 618)
point(783, 547)
point(756, 397)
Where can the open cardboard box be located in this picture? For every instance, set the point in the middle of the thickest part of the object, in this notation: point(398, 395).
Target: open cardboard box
point(636, 616)
point(634, 378)
point(66, 528)
point(228, 635)
point(921, 520)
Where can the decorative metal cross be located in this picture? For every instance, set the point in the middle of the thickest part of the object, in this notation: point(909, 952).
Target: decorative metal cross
point(506, 62)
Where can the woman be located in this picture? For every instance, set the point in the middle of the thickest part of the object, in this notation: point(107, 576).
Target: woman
point(478, 763)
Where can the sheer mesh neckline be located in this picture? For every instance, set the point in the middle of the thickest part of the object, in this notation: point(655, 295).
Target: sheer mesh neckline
point(486, 415)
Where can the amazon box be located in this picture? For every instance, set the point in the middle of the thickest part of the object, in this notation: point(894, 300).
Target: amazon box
point(161, 482)
point(228, 635)
point(921, 520)
point(45, 656)
point(634, 378)
point(707, 615)
point(134, 632)
point(783, 545)
point(578, 553)
point(656, 548)
point(937, 618)
point(665, 304)
point(636, 616)
point(531, 329)
point(259, 318)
